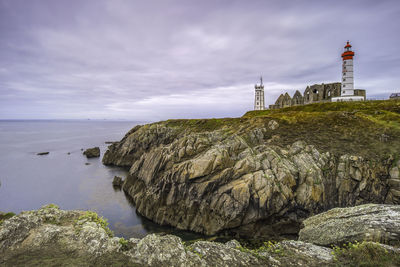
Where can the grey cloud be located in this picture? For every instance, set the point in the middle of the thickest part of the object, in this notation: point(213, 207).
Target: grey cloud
point(152, 60)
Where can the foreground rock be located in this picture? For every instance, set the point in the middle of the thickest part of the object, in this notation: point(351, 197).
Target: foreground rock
point(241, 179)
point(50, 236)
point(117, 181)
point(92, 152)
point(371, 222)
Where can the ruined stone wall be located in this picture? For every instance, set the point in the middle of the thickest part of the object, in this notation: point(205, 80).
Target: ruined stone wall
point(312, 94)
point(360, 92)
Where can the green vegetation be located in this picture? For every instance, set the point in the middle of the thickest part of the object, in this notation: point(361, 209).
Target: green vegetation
point(365, 106)
point(199, 125)
point(51, 206)
point(93, 217)
point(369, 129)
point(365, 254)
point(269, 247)
point(124, 244)
point(5, 216)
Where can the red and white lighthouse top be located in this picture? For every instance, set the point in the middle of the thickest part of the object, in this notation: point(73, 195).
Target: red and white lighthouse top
point(347, 54)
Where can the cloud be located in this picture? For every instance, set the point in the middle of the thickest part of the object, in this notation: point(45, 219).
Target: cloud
point(156, 60)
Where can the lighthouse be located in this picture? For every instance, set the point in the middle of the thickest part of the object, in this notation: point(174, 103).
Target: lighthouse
point(259, 96)
point(347, 71)
point(347, 90)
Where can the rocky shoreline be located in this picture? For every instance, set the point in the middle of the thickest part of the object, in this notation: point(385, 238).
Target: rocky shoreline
point(242, 179)
point(51, 236)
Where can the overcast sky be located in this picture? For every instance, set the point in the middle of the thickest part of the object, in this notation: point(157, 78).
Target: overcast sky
point(154, 60)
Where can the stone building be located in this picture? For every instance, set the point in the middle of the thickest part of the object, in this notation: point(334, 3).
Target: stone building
point(312, 94)
point(330, 92)
point(395, 96)
point(259, 99)
point(297, 99)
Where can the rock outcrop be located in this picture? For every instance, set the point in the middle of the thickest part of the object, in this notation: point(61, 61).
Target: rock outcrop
point(370, 222)
point(92, 152)
point(117, 181)
point(50, 236)
point(243, 179)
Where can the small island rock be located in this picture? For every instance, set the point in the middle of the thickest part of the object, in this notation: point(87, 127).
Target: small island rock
point(117, 181)
point(42, 153)
point(92, 152)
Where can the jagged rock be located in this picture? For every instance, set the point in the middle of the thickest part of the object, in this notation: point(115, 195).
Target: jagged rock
point(50, 236)
point(273, 125)
point(209, 181)
point(117, 181)
point(298, 253)
point(92, 152)
point(370, 222)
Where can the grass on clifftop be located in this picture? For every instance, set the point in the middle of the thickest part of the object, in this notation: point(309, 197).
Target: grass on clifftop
point(364, 106)
point(368, 128)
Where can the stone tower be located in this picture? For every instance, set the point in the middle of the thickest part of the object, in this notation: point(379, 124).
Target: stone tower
point(259, 96)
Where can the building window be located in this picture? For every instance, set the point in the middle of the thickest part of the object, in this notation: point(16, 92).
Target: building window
point(343, 92)
point(344, 73)
point(344, 85)
point(257, 103)
point(344, 79)
point(258, 98)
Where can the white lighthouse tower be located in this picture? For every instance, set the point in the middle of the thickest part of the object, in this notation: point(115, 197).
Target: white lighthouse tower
point(259, 96)
point(347, 90)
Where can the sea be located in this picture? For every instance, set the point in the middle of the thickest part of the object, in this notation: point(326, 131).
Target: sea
point(65, 176)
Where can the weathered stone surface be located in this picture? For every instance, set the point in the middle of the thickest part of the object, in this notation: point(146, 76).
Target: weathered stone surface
point(273, 125)
point(370, 222)
point(209, 181)
point(298, 253)
point(92, 152)
point(117, 181)
point(50, 236)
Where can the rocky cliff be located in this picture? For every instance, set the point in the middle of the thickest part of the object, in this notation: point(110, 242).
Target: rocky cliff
point(265, 172)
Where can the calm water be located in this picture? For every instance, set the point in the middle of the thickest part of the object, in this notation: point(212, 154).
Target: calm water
point(29, 181)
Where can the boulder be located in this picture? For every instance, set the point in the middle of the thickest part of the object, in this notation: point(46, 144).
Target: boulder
point(370, 222)
point(92, 152)
point(273, 125)
point(118, 181)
